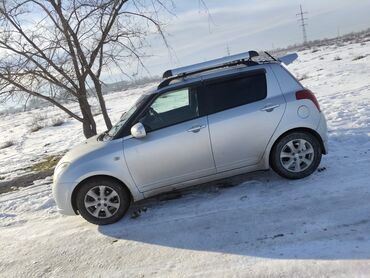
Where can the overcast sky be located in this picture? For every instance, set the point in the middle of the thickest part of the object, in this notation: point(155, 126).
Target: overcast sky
point(242, 25)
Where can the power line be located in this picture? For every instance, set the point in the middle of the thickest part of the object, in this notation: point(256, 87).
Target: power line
point(303, 23)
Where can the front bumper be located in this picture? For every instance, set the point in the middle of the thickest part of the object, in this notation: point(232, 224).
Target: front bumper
point(62, 193)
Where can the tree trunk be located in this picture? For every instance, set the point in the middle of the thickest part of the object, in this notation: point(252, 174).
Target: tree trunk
point(103, 107)
point(88, 129)
point(88, 122)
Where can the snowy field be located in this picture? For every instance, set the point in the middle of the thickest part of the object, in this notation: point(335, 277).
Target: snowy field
point(253, 225)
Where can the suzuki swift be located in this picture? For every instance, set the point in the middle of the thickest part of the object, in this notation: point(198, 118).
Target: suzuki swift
point(203, 122)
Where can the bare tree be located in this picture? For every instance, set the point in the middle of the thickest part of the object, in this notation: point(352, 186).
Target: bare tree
point(55, 50)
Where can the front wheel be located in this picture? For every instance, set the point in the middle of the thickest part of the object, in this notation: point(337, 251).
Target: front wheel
point(102, 201)
point(296, 155)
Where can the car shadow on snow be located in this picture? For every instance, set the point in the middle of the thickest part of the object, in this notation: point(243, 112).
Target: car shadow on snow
point(263, 216)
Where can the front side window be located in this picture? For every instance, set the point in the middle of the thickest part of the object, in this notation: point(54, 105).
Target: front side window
point(235, 92)
point(171, 108)
point(124, 118)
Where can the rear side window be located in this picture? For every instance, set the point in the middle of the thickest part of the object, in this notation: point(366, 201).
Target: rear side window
point(235, 92)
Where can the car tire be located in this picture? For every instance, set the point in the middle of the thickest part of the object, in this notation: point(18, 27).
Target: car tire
point(102, 201)
point(296, 155)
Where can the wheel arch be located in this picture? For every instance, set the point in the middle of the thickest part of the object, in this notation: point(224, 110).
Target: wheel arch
point(299, 129)
point(81, 183)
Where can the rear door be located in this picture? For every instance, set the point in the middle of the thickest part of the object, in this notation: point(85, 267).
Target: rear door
point(243, 113)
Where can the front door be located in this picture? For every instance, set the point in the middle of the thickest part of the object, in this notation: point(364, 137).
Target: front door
point(177, 146)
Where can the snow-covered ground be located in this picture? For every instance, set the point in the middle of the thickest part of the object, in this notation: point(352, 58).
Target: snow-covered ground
point(262, 226)
point(32, 146)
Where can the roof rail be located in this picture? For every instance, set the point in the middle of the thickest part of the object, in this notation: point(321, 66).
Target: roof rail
point(208, 65)
point(168, 80)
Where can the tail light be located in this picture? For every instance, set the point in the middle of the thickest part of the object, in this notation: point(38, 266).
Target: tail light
point(307, 94)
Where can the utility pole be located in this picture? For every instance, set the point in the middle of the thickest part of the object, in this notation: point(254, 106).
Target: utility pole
point(303, 23)
point(227, 50)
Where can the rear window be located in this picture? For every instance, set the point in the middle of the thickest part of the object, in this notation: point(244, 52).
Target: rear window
point(235, 92)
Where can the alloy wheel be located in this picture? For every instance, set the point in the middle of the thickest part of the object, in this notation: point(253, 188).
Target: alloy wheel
point(297, 155)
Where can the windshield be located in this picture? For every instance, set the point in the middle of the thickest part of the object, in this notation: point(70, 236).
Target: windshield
point(125, 116)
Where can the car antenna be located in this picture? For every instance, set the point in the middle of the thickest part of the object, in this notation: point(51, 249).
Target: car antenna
point(272, 57)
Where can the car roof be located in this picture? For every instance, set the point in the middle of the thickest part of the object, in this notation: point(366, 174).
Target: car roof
point(182, 81)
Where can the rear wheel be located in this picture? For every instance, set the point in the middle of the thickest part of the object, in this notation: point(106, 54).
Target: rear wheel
point(296, 155)
point(102, 201)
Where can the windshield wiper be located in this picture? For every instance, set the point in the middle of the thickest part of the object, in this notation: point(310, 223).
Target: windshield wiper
point(102, 135)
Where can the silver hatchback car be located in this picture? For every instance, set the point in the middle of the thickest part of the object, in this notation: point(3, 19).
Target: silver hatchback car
point(203, 122)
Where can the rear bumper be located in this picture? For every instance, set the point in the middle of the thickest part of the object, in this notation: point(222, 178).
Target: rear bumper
point(322, 130)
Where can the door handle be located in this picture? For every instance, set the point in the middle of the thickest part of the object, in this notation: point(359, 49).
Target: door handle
point(270, 107)
point(196, 128)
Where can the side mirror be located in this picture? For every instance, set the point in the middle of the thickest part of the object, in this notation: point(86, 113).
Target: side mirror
point(138, 131)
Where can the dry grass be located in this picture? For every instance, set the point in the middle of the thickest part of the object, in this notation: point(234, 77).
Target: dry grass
point(96, 111)
point(358, 57)
point(302, 77)
point(37, 122)
point(36, 127)
point(38, 118)
point(49, 163)
point(7, 144)
point(57, 122)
